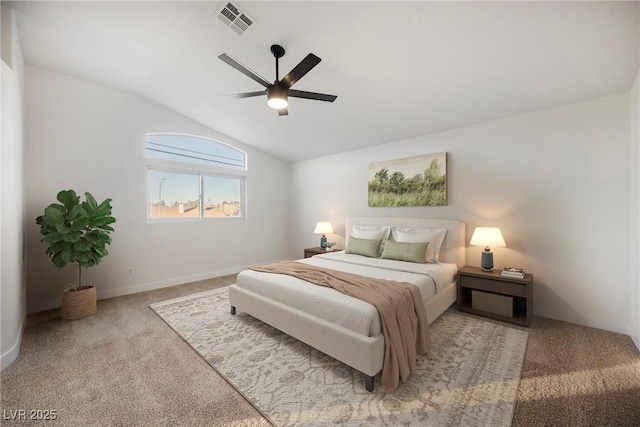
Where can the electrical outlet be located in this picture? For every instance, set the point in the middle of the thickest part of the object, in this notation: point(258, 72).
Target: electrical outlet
point(130, 271)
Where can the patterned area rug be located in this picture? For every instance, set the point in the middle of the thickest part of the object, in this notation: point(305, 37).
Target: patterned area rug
point(471, 378)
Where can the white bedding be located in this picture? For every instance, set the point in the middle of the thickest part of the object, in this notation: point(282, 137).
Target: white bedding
point(335, 307)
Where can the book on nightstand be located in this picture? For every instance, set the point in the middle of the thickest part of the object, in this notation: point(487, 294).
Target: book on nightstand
point(514, 272)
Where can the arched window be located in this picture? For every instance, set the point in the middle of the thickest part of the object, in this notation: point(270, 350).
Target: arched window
point(191, 177)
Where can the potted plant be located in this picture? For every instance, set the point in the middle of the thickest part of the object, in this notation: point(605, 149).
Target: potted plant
point(77, 232)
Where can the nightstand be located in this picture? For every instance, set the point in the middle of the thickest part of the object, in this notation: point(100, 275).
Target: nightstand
point(502, 298)
point(309, 252)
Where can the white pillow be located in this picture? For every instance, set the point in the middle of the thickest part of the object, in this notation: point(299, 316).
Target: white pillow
point(435, 237)
point(371, 232)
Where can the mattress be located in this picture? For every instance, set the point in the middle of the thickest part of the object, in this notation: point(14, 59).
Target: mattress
point(340, 309)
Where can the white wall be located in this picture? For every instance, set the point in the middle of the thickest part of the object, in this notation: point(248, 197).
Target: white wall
point(634, 197)
point(556, 182)
point(12, 287)
point(88, 137)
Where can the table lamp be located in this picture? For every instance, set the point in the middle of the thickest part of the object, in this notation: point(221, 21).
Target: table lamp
point(487, 236)
point(323, 228)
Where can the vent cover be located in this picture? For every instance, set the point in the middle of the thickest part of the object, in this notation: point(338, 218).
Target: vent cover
point(234, 18)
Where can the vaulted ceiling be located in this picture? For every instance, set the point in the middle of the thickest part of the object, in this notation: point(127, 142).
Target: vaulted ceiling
point(400, 69)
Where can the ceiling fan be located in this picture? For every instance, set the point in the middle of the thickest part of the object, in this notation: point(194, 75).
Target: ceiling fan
point(279, 91)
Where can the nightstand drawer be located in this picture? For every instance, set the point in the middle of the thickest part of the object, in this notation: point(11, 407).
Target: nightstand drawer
point(493, 285)
point(309, 252)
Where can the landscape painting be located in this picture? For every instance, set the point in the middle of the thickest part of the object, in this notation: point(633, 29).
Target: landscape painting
point(412, 181)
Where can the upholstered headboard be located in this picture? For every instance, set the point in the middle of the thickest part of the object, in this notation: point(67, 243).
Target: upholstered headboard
point(453, 247)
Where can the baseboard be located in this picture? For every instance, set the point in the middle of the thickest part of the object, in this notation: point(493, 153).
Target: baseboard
point(128, 290)
point(12, 354)
point(39, 306)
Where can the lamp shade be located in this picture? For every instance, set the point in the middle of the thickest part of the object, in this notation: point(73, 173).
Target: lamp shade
point(323, 228)
point(487, 236)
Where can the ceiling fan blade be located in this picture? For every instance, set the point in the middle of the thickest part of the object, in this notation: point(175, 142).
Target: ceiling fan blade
point(312, 95)
point(246, 94)
point(244, 70)
point(283, 112)
point(300, 70)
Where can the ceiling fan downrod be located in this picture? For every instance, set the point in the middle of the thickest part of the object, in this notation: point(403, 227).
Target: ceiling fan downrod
point(278, 52)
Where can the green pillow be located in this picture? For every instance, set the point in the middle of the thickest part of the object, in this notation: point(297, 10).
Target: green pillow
point(365, 247)
point(411, 252)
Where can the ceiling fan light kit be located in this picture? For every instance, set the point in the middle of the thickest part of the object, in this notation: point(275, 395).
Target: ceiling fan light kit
point(279, 92)
point(277, 97)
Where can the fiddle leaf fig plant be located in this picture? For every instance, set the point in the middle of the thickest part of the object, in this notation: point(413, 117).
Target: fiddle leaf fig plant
point(76, 232)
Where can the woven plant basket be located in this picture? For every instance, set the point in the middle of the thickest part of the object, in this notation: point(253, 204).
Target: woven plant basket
point(80, 303)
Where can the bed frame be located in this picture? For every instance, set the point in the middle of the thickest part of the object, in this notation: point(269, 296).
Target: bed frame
point(361, 352)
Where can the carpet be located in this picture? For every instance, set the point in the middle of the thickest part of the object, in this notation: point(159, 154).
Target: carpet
point(471, 377)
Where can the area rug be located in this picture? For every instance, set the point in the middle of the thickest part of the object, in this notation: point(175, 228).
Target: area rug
point(470, 378)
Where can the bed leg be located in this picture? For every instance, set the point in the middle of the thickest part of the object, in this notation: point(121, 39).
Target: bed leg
point(233, 310)
point(368, 383)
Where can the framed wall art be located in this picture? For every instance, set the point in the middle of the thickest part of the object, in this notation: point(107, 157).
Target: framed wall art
point(411, 181)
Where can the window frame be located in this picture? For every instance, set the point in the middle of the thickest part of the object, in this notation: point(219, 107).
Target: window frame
point(199, 170)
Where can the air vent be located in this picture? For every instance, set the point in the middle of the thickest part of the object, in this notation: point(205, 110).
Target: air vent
point(234, 18)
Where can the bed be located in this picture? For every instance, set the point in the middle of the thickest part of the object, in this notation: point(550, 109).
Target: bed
point(340, 326)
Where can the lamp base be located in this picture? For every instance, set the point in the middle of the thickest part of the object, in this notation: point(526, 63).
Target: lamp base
point(323, 241)
point(487, 261)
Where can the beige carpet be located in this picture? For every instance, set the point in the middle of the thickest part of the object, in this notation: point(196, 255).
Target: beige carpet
point(126, 367)
point(578, 376)
point(471, 377)
point(122, 367)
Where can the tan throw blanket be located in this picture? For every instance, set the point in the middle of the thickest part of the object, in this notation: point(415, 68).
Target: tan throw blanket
point(402, 313)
